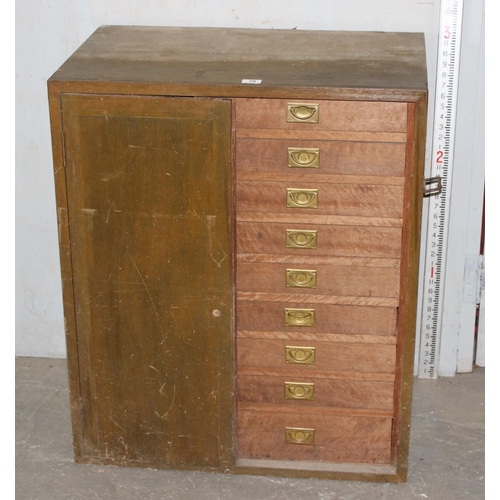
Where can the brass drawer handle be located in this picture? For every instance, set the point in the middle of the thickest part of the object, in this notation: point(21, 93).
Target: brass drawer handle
point(302, 198)
point(300, 355)
point(297, 238)
point(302, 113)
point(300, 317)
point(303, 157)
point(301, 278)
point(298, 435)
point(299, 390)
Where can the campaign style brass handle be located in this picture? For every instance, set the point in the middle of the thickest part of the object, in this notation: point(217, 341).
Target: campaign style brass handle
point(300, 355)
point(301, 278)
point(299, 390)
point(300, 317)
point(298, 435)
point(303, 157)
point(301, 198)
point(302, 113)
point(297, 238)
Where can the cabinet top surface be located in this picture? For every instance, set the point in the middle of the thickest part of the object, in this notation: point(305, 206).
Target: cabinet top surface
point(226, 56)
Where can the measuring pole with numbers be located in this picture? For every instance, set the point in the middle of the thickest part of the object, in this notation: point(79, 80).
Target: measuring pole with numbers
point(443, 140)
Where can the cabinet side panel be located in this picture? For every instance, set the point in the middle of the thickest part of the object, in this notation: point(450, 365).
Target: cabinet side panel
point(66, 267)
point(409, 284)
point(149, 209)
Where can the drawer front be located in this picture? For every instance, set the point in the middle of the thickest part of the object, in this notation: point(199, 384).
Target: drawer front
point(328, 115)
point(260, 315)
point(319, 198)
point(350, 357)
point(301, 390)
point(355, 281)
point(335, 157)
point(303, 436)
point(359, 241)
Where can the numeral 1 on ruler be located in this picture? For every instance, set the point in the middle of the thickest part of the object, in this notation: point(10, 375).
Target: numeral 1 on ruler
point(441, 165)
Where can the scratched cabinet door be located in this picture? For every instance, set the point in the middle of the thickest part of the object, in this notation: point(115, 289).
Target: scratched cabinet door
point(148, 192)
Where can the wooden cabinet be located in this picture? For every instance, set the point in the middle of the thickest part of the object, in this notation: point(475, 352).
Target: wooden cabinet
point(239, 217)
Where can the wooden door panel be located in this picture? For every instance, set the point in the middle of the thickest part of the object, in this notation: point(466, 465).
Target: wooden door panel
point(149, 208)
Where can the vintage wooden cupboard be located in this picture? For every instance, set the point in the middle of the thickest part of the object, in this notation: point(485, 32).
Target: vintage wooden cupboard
point(239, 216)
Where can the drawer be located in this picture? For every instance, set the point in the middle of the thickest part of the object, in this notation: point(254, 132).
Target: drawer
point(330, 115)
point(313, 436)
point(315, 318)
point(300, 390)
point(319, 198)
point(333, 157)
point(299, 279)
point(347, 241)
point(310, 355)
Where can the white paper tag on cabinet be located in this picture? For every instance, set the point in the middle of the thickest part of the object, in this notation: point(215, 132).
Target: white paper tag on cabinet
point(251, 81)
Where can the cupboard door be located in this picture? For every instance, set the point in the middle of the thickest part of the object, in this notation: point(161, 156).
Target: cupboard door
point(149, 200)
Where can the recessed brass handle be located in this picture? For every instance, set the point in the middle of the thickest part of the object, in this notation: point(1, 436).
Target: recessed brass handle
point(303, 157)
point(300, 355)
point(299, 390)
point(301, 278)
point(298, 238)
point(302, 113)
point(298, 435)
point(302, 198)
point(300, 317)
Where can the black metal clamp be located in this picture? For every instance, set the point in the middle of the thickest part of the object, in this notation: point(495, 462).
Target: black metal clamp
point(433, 190)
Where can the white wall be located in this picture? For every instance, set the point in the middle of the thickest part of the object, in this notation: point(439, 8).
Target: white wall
point(48, 31)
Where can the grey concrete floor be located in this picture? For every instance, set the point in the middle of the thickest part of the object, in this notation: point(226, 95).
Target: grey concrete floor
point(446, 452)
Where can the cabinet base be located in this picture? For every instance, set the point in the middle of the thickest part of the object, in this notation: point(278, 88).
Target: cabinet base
point(279, 468)
point(319, 470)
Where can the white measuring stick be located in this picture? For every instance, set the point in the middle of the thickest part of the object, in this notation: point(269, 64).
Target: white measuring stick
point(450, 30)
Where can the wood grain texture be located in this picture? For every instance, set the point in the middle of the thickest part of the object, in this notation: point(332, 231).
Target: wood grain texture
point(66, 269)
point(333, 115)
point(283, 468)
point(320, 135)
point(296, 176)
point(145, 319)
point(267, 389)
point(332, 240)
point(318, 337)
point(339, 158)
point(409, 292)
point(398, 410)
point(337, 439)
point(315, 410)
point(362, 200)
point(320, 260)
point(303, 217)
point(317, 470)
point(312, 298)
point(362, 63)
point(293, 370)
point(334, 280)
point(81, 86)
point(330, 356)
point(257, 315)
